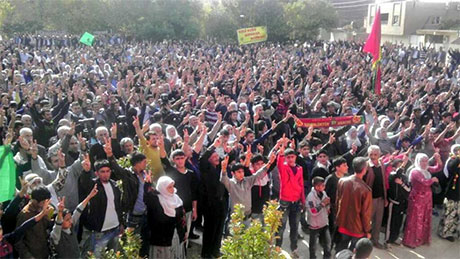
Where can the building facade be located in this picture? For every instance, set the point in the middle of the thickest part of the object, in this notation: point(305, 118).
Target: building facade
point(416, 23)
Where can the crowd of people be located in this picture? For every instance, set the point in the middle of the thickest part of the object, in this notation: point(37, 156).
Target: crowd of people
point(163, 139)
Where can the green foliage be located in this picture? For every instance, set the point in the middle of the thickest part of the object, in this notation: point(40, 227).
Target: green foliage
point(130, 245)
point(306, 17)
point(169, 19)
point(124, 162)
point(5, 9)
point(255, 241)
point(220, 24)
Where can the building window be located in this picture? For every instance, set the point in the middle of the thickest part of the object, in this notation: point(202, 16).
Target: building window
point(396, 14)
point(384, 18)
point(436, 20)
point(395, 20)
point(371, 14)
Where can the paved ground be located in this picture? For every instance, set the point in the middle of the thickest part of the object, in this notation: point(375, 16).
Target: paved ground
point(439, 248)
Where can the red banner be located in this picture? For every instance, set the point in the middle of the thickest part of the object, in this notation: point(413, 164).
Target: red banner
point(329, 122)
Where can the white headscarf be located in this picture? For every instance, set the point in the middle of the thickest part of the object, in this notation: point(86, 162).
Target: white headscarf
point(417, 166)
point(378, 133)
point(453, 151)
point(383, 121)
point(350, 140)
point(169, 202)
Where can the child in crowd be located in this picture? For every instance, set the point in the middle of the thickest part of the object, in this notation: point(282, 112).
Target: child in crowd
point(63, 235)
point(239, 187)
point(318, 209)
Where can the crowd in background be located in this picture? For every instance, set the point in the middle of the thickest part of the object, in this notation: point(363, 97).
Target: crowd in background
point(164, 138)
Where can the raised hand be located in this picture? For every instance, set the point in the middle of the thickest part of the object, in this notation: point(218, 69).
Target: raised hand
point(310, 130)
point(93, 192)
point(260, 148)
point(148, 177)
point(224, 164)
point(24, 186)
point(82, 141)
point(86, 164)
point(409, 151)
point(292, 143)
point(331, 138)
point(24, 143)
point(136, 124)
point(34, 150)
point(271, 159)
point(108, 147)
point(273, 125)
point(114, 130)
point(161, 141)
point(256, 118)
point(248, 151)
point(354, 148)
point(217, 142)
point(437, 156)
point(61, 203)
point(8, 138)
point(186, 137)
point(61, 159)
point(285, 140)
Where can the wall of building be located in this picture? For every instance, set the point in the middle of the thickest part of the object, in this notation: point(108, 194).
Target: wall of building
point(413, 16)
point(427, 15)
point(351, 10)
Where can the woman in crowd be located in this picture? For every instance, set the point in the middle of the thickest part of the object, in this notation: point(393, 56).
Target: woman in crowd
point(166, 218)
point(418, 223)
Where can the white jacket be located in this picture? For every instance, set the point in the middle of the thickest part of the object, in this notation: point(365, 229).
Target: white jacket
point(317, 215)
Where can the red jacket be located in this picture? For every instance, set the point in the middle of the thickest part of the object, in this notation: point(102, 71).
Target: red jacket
point(291, 185)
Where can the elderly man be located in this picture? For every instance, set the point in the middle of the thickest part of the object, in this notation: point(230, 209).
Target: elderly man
point(375, 178)
point(96, 152)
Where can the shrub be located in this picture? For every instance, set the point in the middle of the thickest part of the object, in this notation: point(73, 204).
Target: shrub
point(255, 241)
point(130, 245)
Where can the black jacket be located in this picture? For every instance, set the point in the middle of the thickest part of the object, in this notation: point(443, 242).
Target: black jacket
point(453, 181)
point(186, 184)
point(214, 193)
point(162, 226)
point(331, 190)
point(130, 184)
point(93, 216)
point(397, 193)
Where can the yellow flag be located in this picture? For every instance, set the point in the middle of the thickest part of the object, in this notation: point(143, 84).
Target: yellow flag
point(252, 35)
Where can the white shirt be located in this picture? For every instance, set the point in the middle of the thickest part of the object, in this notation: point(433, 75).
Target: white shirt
point(111, 217)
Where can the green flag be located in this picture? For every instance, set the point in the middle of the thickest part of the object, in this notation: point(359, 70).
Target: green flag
point(87, 39)
point(7, 174)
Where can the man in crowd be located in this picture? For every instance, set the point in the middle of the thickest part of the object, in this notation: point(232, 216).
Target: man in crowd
point(341, 168)
point(101, 220)
point(375, 178)
point(354, 206)
point(292, 196)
